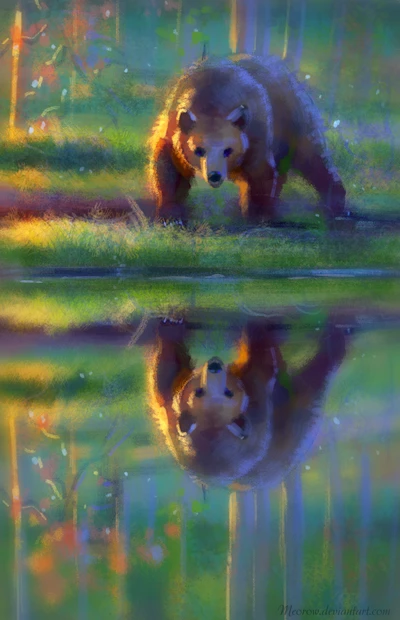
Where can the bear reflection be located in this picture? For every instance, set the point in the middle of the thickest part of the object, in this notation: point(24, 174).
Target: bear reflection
point(246, 423)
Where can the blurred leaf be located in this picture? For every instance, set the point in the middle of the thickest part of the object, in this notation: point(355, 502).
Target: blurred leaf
point(181, 51)
point(199, 37)
point(163, 33)
point(198, 506)
point(190, 20)
point(206, 9)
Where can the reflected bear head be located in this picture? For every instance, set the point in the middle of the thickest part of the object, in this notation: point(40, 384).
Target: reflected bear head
point(241, 424)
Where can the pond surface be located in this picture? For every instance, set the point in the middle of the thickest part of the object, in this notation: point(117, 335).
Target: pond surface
point(190, 457)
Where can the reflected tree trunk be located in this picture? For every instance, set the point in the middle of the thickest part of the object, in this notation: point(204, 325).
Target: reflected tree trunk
point(365, 518)
point(294, 534)
point(240, 560)
point(17, 518)
point(243, 25)
point(336, 522)
point(261, 560)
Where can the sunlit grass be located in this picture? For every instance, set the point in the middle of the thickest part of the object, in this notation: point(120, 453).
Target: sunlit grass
point(65, 243)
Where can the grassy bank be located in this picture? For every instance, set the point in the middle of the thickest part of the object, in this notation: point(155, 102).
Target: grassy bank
point(63, 243)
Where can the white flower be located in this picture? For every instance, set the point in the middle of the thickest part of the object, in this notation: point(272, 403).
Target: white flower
point(82, 376)
point(100, 129)
point(43, 125)
point(82, 168)
point(336, 420)
point(175, 32)
point(53, 47)
point(336, 124)
point(108, 13)
point(377, 92)
point(64, 92)
point(308, 76)
point(35, 84)
point(126, 70)
point(308, 467)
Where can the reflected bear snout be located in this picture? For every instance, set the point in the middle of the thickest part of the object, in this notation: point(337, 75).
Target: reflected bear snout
point(215, 367)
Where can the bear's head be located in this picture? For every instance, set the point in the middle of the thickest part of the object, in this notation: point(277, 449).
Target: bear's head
point(214, 146)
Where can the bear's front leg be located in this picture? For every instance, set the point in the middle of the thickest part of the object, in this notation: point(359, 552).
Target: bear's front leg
point(261, 198)
point(169, 185)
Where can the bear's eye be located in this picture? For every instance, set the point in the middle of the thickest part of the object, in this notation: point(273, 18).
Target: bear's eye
point(228, 152)
point(199, 392)
point(199, 151)
point(228, 393)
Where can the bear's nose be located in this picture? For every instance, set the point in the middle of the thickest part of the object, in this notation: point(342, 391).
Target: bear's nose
point(215, 178)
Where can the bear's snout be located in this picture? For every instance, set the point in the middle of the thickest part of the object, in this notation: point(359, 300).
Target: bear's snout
point(215, 178)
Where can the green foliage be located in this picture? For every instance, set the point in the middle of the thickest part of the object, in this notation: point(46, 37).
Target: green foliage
point(71, 154)
point(166, 35)
point(199, 37)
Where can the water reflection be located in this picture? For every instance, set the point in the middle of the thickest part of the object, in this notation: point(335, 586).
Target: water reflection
point(246, 423)
point(293, 412)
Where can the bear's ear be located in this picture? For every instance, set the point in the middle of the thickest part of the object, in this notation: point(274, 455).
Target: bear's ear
point(186, 121)
point(239, 117)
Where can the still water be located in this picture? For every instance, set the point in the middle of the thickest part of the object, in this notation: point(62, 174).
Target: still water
point(184, 456)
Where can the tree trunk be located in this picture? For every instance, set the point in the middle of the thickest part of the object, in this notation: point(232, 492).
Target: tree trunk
point(339, 18)
point(16, 48)
point(294, 32)
point(242, 37)
point(263, 38)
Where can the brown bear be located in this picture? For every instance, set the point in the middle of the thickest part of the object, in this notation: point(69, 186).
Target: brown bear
point(244, 424)
point(244, 119)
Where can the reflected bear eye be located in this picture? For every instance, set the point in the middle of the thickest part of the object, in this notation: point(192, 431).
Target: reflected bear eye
point(199, 392)
point(228, 393)
point(199, 151)
point(228, 152)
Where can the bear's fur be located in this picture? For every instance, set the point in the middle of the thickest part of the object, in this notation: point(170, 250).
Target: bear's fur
point(249, 423)
point(244, 119)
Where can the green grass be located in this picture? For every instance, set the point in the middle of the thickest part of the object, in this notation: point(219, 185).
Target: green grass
point(63, 243)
